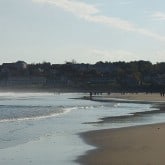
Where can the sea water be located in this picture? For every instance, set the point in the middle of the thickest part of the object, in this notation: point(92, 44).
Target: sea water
point(43, 128)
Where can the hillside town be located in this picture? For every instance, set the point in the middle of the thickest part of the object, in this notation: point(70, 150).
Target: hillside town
point(123, 77)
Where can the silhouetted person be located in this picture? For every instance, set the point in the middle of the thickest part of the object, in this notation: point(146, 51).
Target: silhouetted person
point(90, 94)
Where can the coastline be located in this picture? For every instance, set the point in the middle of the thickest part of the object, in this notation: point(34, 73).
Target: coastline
point(126, 146)
point(130, 145)
point(58, 138)
point(142, 98)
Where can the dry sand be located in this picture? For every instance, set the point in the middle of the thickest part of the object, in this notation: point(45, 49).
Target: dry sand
point(139, 96)
point(142, 145)
point(131, 97)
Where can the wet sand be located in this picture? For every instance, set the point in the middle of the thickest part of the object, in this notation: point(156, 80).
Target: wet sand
point(140, 145)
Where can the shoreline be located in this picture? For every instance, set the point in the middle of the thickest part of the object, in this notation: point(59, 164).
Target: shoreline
point(141, 98)
point(125, 146)
point(91, 142)
point(135, 145)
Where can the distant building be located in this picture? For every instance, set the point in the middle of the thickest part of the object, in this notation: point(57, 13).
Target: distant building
point(18, 68)
point(19, 65)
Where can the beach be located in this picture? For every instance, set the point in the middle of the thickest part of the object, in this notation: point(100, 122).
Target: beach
point(44, 128)
point(133, 145)
point(131, 97)
point(142, 145)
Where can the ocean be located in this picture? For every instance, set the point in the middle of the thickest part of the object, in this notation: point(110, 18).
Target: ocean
point(44, 128)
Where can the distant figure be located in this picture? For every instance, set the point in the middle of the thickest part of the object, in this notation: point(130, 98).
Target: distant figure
point(90, 94)
point(162, 93)
point(109, 93)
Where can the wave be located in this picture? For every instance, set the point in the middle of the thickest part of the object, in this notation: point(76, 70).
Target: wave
point(23, 113)
point(29, 118)
point(12, 113)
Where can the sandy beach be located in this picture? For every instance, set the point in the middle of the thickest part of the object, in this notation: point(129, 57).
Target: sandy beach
point(139, 96)
point(44, 128)
point(138, 145)
point(131, 97)
point(142, 145)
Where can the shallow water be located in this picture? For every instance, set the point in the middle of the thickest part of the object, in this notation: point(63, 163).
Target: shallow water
point(43, 128)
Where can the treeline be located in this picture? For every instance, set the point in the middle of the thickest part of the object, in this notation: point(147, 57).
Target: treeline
point(132, 76)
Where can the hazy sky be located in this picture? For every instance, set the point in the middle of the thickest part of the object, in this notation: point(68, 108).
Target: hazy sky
point(84, 30)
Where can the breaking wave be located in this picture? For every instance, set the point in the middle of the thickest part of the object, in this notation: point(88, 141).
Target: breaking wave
point(9, 113)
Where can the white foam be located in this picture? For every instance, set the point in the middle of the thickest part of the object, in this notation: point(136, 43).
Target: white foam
point(64, 111)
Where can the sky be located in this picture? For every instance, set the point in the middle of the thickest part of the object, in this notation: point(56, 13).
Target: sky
point(86, 31)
